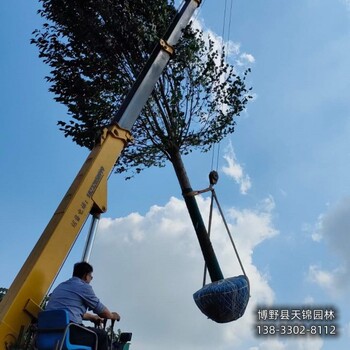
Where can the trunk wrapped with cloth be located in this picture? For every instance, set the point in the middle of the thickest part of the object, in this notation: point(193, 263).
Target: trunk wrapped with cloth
point(225, 300)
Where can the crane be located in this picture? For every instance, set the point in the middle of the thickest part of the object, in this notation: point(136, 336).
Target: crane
point(86, 196)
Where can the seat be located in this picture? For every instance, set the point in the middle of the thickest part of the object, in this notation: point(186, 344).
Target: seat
point(54, 329)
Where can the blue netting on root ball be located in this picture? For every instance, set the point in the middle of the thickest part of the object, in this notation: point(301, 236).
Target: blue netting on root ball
point(225, 300)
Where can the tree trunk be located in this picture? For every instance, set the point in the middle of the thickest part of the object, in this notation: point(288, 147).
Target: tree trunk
point(197, 221)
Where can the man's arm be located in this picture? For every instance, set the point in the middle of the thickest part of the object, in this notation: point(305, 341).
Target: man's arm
point(93, 318)
point(96, 306)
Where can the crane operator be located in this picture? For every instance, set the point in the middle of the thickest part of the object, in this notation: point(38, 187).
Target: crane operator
point(77, 297)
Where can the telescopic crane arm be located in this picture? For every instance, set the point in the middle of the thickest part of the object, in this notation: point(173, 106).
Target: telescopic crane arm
point(87, 195)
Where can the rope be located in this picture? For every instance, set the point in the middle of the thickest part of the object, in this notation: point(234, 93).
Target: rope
point(229, 23)
point(224, 23)
point(228, 231)
point(209, 231)
point(224, 37)
point(214, 197)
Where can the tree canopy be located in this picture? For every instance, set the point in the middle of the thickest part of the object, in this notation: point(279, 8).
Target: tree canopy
point(3, 291)
point(97, 48)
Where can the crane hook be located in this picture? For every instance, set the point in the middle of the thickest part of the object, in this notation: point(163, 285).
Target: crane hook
point(213, 177)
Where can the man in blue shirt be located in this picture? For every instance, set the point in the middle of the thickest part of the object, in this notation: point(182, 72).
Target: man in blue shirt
point(77, 297)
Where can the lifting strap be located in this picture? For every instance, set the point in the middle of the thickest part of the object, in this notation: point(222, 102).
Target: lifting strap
point(213, 178)
point(223, 300)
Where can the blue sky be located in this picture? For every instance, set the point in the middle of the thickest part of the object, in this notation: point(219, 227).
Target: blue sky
point(283, 182)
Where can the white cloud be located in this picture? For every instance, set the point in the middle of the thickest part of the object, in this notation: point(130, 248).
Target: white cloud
point(317, 235)
point(233, 49)
point(272, 344)
point(347, 4)
point(245, 59)
point(334, 228)
point(148, 266)
point(331, 281)
point(305, 343)
point(347, 330)
point(323, 278)
point(309, 300)
point(234, 170)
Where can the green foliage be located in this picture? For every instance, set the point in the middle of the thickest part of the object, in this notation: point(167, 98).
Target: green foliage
point(25, 340)
point(97, 48)
point(3, 291)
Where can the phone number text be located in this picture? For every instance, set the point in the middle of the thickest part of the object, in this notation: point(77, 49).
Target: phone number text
point(296, 329)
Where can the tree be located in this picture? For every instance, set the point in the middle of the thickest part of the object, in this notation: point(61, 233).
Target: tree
point(3, 291)
point(97, 48)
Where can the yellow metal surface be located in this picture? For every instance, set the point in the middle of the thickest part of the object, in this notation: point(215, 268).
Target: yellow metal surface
point(166, 47)
point(32, 308)
point(87, 193)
